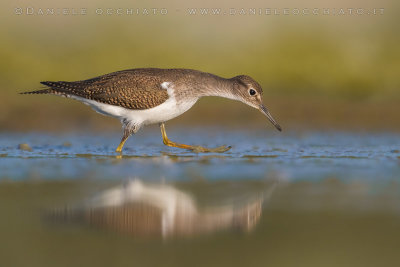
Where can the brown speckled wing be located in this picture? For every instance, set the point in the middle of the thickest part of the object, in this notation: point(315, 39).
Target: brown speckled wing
point(128, 89)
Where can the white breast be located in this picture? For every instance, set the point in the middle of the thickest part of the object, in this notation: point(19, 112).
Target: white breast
point(161, 113)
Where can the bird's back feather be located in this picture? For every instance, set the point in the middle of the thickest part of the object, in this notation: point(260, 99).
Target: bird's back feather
point(130, 89)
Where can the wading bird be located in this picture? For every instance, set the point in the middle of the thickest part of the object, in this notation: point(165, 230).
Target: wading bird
point(146, 96)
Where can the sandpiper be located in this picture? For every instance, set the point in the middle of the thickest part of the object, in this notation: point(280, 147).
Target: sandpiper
point(146, 96)
point(161, 210)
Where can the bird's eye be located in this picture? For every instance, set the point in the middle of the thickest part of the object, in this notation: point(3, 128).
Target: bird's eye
point(252, 92)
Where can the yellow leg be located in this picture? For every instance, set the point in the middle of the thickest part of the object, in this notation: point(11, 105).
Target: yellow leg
point(121, 145)
point(193, 148)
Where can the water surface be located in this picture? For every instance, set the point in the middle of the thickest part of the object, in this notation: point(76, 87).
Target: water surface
point(328, 199)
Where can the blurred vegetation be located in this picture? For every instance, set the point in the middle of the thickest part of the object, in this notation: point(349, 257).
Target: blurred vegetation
point(316, 71)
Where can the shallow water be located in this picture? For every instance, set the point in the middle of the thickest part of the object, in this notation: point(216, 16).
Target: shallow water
point(257, 155)
point(326, 198)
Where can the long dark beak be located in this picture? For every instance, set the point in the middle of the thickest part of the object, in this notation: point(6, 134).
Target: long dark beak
point(265, 111)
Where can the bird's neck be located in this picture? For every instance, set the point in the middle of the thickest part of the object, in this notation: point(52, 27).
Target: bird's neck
point(215, 86)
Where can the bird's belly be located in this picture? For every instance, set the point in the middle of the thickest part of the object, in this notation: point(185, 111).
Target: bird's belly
point(161, 113)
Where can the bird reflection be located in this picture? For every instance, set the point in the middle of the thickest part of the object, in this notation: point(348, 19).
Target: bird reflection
point(161, 210)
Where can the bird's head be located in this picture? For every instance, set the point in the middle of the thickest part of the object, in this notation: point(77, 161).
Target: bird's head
point(247, 90)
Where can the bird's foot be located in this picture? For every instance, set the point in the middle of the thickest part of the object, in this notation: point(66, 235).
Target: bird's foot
point(200, 149)
point(196, 149)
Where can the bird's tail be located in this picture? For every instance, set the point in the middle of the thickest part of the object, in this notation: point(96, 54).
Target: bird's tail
point(37, 92)
point(42, 91)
